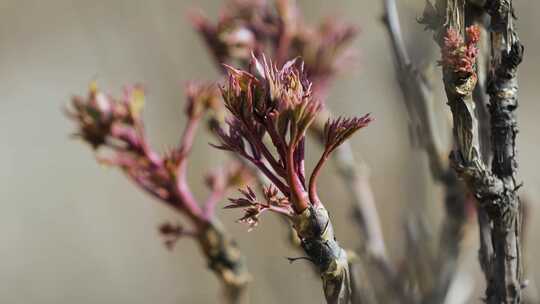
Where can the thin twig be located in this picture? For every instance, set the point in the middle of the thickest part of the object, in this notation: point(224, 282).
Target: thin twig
point(418, 98)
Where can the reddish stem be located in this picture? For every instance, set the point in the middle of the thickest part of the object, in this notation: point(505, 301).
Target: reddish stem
point(184, 196)
point(313, 196)
point(260, 146)
point(273, 178)
point(276, 139)
point(212, 201)
point(186, 143)
point(298, 195)
point(181, 197)
point(184, 199)
point(191, 210)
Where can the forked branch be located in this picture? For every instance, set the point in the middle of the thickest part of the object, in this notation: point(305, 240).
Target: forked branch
point(116, 126)
point(495, 188)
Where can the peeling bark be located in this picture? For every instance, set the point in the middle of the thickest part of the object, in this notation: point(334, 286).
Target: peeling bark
point(494, 188)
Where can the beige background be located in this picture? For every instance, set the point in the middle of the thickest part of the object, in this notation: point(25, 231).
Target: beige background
point(74, 232)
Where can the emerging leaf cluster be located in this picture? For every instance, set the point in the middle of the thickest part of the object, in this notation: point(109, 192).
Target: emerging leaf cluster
point(271, 110)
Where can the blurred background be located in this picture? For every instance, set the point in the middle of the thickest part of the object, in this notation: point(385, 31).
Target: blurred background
point(72, 231)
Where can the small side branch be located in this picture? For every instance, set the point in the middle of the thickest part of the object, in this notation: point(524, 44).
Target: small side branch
point(417, 94)
point(116, 126)
point(355, 175)
point(418, 99)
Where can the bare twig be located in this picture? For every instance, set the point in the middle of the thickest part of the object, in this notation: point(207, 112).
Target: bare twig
point(417, 94)
point(418, 98)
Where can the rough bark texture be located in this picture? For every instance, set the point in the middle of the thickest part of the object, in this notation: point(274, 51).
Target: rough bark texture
point(226, 261)
point(319, 243)
point(495, 188)
point(505, 211)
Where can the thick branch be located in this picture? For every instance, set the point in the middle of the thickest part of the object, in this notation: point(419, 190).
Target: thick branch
point(495, 189)
point(505, 212)
point(319, 242)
